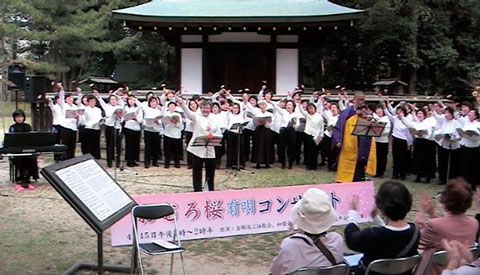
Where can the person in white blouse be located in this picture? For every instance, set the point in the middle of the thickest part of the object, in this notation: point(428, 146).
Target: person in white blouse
point(81, 105)
point(287, 138)
point(423, 149)
point(470, 153)
point(193, 106)
point(91, 133)
point(262, 136)
point(113, 138)
point(133, 117)
point(172, 141)
point(203, 125)
point(69, 122)
point(235, 121)
point(56, 117)
point(151, 132)
point(401, 139)
point(313, 134)
point(381, 142)
point(248, 132)
point(448, 141)
point(300, 136)
point(221, 121)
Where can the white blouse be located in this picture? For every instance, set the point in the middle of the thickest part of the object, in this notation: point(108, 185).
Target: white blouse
point(173, 130)
point(69, 123)
point(131, 124)
point(200, 126)
point(92, 117)
point(471, 141)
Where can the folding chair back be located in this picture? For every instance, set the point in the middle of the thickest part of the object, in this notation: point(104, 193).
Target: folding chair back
point(340, 269)
point(393, 266)
point(440, 257)
point(154, 212)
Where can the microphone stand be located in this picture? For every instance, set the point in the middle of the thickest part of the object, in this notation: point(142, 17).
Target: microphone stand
point(238, 166)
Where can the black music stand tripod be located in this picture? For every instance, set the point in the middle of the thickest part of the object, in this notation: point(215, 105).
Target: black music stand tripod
point(207, 141)
point(239, 168)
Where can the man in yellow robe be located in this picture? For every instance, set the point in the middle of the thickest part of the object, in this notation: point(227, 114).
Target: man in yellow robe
point(355, 155)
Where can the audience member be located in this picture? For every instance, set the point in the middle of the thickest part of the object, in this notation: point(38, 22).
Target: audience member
point(312, 245)
point(394, 238)
point(454, 225)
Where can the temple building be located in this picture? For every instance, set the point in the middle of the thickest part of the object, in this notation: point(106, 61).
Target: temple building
point(239, 43)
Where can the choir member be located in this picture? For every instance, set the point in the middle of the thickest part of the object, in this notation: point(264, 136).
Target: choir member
point(235, 147)
point(221, 122)
point(193, 106)
point(203, 125)
point(423, 149)
point(401, 139)
point(151, 132)
point(69, 122)
point(172, 141)
point(470, 153)
point(113, 138)
point(313, 134)
point(448, 142)
point(132, 131)
point(81, 105)
point(248, 132)
point(91, 117)
point(262, 135)
point(287, 138)
point(381, 142)
point(25, 166)
point(56, 117)
point(331, 118)
point(300, 136)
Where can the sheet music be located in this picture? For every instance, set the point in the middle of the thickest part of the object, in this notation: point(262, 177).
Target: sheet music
point(71, 113)
point(95, 188)
point(130, 116)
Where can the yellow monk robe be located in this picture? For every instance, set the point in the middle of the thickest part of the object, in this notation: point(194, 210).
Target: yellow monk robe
point(349, 153)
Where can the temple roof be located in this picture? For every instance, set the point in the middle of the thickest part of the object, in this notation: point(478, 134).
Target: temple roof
point(237, 11)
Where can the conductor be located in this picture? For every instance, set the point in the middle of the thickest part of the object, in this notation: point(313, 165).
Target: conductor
point(204, 124)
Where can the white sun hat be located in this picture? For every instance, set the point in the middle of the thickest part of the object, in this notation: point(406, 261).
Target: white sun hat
point(314, 213)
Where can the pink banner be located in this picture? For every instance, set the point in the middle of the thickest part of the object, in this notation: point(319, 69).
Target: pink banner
point(236, 212)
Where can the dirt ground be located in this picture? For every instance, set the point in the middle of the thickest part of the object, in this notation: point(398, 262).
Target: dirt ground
point(42, 234)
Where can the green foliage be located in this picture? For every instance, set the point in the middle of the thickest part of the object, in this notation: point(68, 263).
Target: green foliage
point(434, 45)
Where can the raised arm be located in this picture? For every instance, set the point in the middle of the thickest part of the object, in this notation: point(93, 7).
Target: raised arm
point(388, 114)
point(191, 115)
point(61, 97)
point(100, 100)
point(301, 110)
point(277, 108)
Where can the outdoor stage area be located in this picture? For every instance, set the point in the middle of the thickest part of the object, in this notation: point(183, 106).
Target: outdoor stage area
point(42, 234)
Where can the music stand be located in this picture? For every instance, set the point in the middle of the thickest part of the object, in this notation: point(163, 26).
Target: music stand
point(207, 141)
point(366, 128)
point(238, 127)
point(95, 196)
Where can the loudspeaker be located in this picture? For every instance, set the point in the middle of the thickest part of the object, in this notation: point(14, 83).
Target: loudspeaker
point(35, 86)
point(16, 74)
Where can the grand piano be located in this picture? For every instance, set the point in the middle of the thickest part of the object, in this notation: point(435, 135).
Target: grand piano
point(29, 144)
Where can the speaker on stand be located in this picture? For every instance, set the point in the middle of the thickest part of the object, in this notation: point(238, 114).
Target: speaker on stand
point(35, 88)
point(16, 74)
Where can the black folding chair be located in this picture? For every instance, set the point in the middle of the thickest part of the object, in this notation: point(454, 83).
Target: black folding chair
point(393, 266)
point(154, 212)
